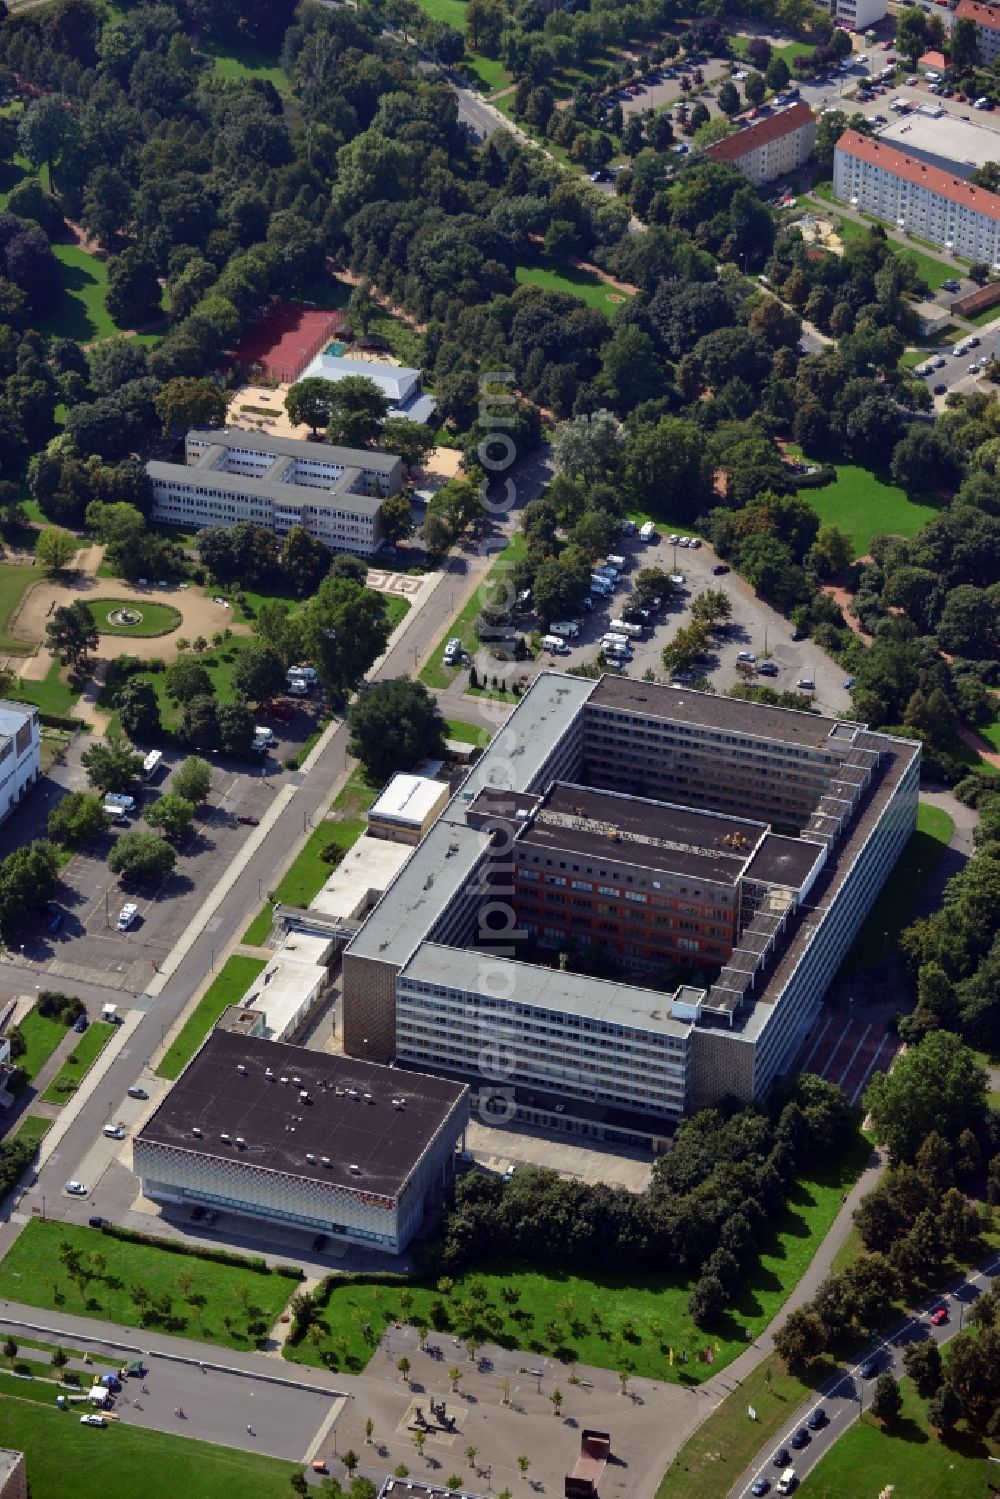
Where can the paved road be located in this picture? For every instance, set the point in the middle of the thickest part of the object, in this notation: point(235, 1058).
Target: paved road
point(845, 1393)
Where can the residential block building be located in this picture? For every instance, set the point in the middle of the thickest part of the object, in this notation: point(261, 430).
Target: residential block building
point(917, 197)
point(987, 23)
point(234, 475)
point(279, 1133)
point(632, 906)
point(20, 753)
point(858, 15)
point(770, 147)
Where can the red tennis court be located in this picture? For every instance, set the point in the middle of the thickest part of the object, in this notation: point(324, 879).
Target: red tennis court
point(285, 338)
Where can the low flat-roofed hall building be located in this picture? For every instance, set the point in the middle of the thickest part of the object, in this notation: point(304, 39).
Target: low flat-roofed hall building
point(634, 904)
point(234, 475)
point(327, 1143)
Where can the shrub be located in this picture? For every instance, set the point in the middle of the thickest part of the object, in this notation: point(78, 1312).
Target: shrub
point(220, 1256)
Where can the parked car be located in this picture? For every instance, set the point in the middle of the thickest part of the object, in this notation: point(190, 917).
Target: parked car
point(80, 1024)
point(248, 818)
point(817, 1419)
point(92, 1419)
point(96, 1222)
point(76, 1189)
point(800, 1439)
point(720, 569)
point(55, 921)
point(127, 915)
point(136, 1092)
point(940, 390)
point(939, 1316)
point(869, 1367)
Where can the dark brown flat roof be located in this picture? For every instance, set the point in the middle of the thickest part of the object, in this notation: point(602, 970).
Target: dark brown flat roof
point(651, 834)
point(712, 710)
point(784, 861)
point(279, 1127)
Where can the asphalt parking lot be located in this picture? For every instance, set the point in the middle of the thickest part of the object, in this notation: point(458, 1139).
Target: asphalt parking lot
point(754, 627)
point(87, 945)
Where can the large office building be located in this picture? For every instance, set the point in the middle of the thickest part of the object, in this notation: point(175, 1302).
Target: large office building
point(768, 148)
point(632, 906)
point(917, 197)
point(986, 19)
point(945, 141)
point(20, 753)
point(234, 475)
point(285, 1135)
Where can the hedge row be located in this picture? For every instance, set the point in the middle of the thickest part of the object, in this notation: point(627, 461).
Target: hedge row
point(62, 721)
point(220, 1256)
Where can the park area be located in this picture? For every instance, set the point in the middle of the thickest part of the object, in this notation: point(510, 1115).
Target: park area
point(865, 504)
point(227, 988)
point(66, 1268)
point(64, 1457)
point(636, 1324)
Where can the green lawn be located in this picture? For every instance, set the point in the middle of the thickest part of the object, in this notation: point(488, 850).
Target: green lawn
point(990, 732)
point(491, 73)
point(219, 664)
point(256, 933)
point(33, 1128)
point(864, 505)
point(32, 1271)
point(42, 1035)
point(310, 871)
point(51, 694)
point(81, 313)
point(64, 1457)
point(894, 907)
point(788, 53)
point(931, 270)
point(433, 673)
point(908, 1454)
point(14, 583)
point(575, 283)
point(246, 61)
point(396, 609)
point(79, 1062)
point(157, 619)
point(227, 988)
point(468, 733)
point(727, 1441)
point(614, 1321)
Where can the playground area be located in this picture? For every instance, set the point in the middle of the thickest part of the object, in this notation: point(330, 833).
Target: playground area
point(285, 338)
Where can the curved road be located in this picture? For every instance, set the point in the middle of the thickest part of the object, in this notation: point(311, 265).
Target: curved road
point(843, 1396)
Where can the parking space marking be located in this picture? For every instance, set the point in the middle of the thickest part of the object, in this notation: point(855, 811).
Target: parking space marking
point(854, 1053)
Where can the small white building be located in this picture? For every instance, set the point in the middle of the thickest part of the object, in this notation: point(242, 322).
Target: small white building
point(400, 386)
point(362, 876)
point(20, 753)
point(406, 808)
point(291, 987)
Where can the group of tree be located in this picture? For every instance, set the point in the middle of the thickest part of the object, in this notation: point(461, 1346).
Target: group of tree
point(705, 1213)
point(254, 557)
point(28, 880)
point(392, 726)
point(920, 1219)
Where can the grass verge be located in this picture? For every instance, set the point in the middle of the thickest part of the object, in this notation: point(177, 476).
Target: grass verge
point(208, 1300)
point(618, 1322)
point(51, 695)
point(898, 896)
point(33, 1129)
point(433, 673)
point(15, 581)
point(908, 1454)
point(227, 988)
point(468, 733)
point(79, 1062)
point(63, 1456)
point(42, 1035)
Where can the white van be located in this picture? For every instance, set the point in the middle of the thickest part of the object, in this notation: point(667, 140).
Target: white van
point(263, 735)
point(151, 764)
point(787, 1481)
point(617, 562)
point(305, 673)
point(567, 628)
point(647, 532)
point(116, 813)
point(614, 638)
point(634, 632)
point(555, 644)
point(114, 1131)
point(119, 799)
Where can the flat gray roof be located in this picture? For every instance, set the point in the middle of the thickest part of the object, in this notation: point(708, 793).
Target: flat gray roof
point(784, 861)
point(605, 1000)
point(294, 447)
point(280, 1128)
point(659, 836)
point(340, 495)
point(730, 715)
point(523, 744)
point(960, 145)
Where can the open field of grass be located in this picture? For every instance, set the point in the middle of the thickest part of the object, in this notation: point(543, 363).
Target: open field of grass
point(726, 1442)
point(931, 270)
point(788, 52)
point(227, 988)
point(574, 283)
point(14, 583)
point(990, 732)
point(467, 733)
point(157, 619)
point(79, 1062)
point(908, 1454)
point(218, 662)
point(433, 673)
point(491, 73)
point(865, 505)
point(42, 1035)
point(214, 1306)
point(52, 694)
point(396, 609)
point(246, 61)
point(62, 1455)
point(619, 1322)
point(32, 1128)
point(894, 907)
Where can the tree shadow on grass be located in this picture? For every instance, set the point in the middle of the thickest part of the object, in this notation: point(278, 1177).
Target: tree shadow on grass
point(70, 317)
point(907, 1430)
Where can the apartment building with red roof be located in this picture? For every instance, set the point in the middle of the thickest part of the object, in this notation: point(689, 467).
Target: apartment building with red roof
point(769, 147)
point(917, 197)
point(987, 23)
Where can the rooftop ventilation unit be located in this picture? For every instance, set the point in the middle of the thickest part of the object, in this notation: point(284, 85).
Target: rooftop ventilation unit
point(224, 1139)
point(355, 1169)
point(282, 1080)
point(325, 1159)
point(310, 1156)
point(241, 1142)
point(196, 1131)
point(240, 1068)
point(268, 1072)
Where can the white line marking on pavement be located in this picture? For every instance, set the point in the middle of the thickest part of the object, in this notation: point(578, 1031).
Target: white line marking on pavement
point(874, 1062)
point(815, 1045)
point(864, 1038)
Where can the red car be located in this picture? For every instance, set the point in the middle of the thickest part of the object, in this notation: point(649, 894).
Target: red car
point(939, 1316)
